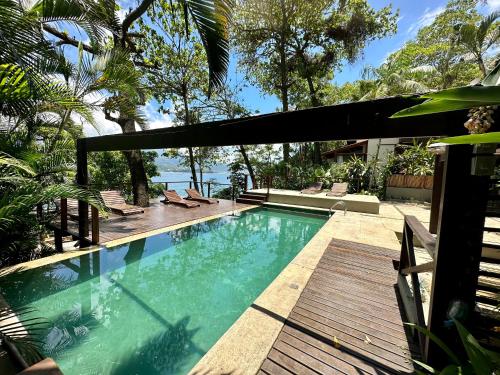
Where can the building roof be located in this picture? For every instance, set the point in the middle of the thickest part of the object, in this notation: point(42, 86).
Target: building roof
point(345, 149)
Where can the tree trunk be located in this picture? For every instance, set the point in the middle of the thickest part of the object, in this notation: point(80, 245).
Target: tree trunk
point(315, 103)
point(193, 168)
point(138, 175)
point(284, 74)
point(187, 121)
point(248, 165)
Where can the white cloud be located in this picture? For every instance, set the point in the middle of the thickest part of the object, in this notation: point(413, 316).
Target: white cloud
point(155, 119)
point(426, 19)
point(494, 5)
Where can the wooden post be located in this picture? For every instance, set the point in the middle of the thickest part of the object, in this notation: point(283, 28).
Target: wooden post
point(209, 189)
point(246, 182)
point(190, 184)
point(233, 193)
point(64, 214)
point(95, 225)
point(458, 250)
point(166, 185)
point(436, 193)
point(82, 179)
point(58, 243)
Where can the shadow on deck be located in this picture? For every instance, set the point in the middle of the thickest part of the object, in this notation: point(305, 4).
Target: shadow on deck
point(347, 319)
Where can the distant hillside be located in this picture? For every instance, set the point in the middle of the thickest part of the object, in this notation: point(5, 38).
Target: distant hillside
point(173, 165)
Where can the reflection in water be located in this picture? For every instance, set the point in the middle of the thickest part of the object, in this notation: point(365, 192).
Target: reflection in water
point(156, 305)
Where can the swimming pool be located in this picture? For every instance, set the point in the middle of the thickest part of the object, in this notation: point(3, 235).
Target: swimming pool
point(157, 305)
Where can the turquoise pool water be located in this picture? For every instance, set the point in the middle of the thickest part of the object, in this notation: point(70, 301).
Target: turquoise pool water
point(155, 306)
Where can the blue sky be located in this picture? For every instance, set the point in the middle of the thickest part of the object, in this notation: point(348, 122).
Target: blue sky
point(413, 14)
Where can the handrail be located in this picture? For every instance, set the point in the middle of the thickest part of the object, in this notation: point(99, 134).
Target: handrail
point(407, 266)
point(341, 203)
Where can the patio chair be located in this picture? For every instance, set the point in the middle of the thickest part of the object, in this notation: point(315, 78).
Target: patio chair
point(115, 202)
point(313, 189)
point(338, 190)
point(171, 196)
point(194, 195)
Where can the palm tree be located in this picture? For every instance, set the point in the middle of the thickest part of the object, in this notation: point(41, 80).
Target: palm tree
point(35, 178)
point(387, 80)
point(477, 39)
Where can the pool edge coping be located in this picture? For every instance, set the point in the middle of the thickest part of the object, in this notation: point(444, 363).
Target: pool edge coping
point(245, 345)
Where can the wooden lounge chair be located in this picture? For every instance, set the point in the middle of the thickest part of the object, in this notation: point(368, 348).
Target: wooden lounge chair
point(171, 196)
point(338, 190)
point(194, 195)
point(313, 189)
point(115, 202)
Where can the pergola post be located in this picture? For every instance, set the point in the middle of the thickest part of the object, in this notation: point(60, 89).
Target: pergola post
point(458, 249)
point(436, 193)
point(82, 179)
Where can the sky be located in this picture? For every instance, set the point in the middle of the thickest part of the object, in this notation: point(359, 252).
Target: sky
point(413, 14)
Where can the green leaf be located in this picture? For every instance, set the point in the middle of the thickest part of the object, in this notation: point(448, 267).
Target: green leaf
point(493, 78)
point(473, 139)
point(481, 360)
point(451, 370)
point(426, 367)
point(437, 105)
point(437, 341)
point(488, 94)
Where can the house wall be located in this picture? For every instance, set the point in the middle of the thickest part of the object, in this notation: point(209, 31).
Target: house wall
point(387, 146)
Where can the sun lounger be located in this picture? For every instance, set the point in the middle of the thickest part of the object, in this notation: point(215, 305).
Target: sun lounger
point(171, 196)
point(313, 189)
point(115, 202)
point(338, 190)
point(194, 195)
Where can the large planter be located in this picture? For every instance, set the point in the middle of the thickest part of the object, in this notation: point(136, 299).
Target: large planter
point(415, 182)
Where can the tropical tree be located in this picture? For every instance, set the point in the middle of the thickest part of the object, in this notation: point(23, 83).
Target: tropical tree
point(35, 179)
point(479, 38)
point(182, 77)
point(211, 20)
point(326, 34)
point(435, 58)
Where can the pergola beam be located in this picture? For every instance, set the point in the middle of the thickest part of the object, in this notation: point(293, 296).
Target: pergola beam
point(360, 120)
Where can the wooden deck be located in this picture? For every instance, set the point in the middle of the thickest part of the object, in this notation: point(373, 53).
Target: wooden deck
point(347, 319)
point(157, 216)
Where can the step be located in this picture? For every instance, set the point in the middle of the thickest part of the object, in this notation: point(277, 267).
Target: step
point(490, 260)
point(252, 196)
point(488, 284)
point(249, 201)
point(490, 298)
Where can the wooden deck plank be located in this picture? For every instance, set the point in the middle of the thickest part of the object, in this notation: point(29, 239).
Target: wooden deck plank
point(347, 319)
point(157, 216)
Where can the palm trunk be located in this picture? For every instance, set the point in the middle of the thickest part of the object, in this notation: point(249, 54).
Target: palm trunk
point(64, 118)
point(248, 165)
point(482, 67)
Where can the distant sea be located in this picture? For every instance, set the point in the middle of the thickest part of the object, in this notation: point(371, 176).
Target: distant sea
point(177, 180)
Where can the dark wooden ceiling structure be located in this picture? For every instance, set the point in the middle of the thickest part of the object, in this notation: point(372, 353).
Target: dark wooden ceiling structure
point(358, 120)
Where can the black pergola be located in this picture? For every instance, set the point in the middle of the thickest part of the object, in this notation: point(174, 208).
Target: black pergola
point(455, 273)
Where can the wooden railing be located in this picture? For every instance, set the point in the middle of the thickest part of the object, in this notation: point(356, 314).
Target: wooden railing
point(62, 229)
point(209, 185)
point(407, 265)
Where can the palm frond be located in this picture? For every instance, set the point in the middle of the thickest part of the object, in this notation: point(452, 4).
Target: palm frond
point(212, 18)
